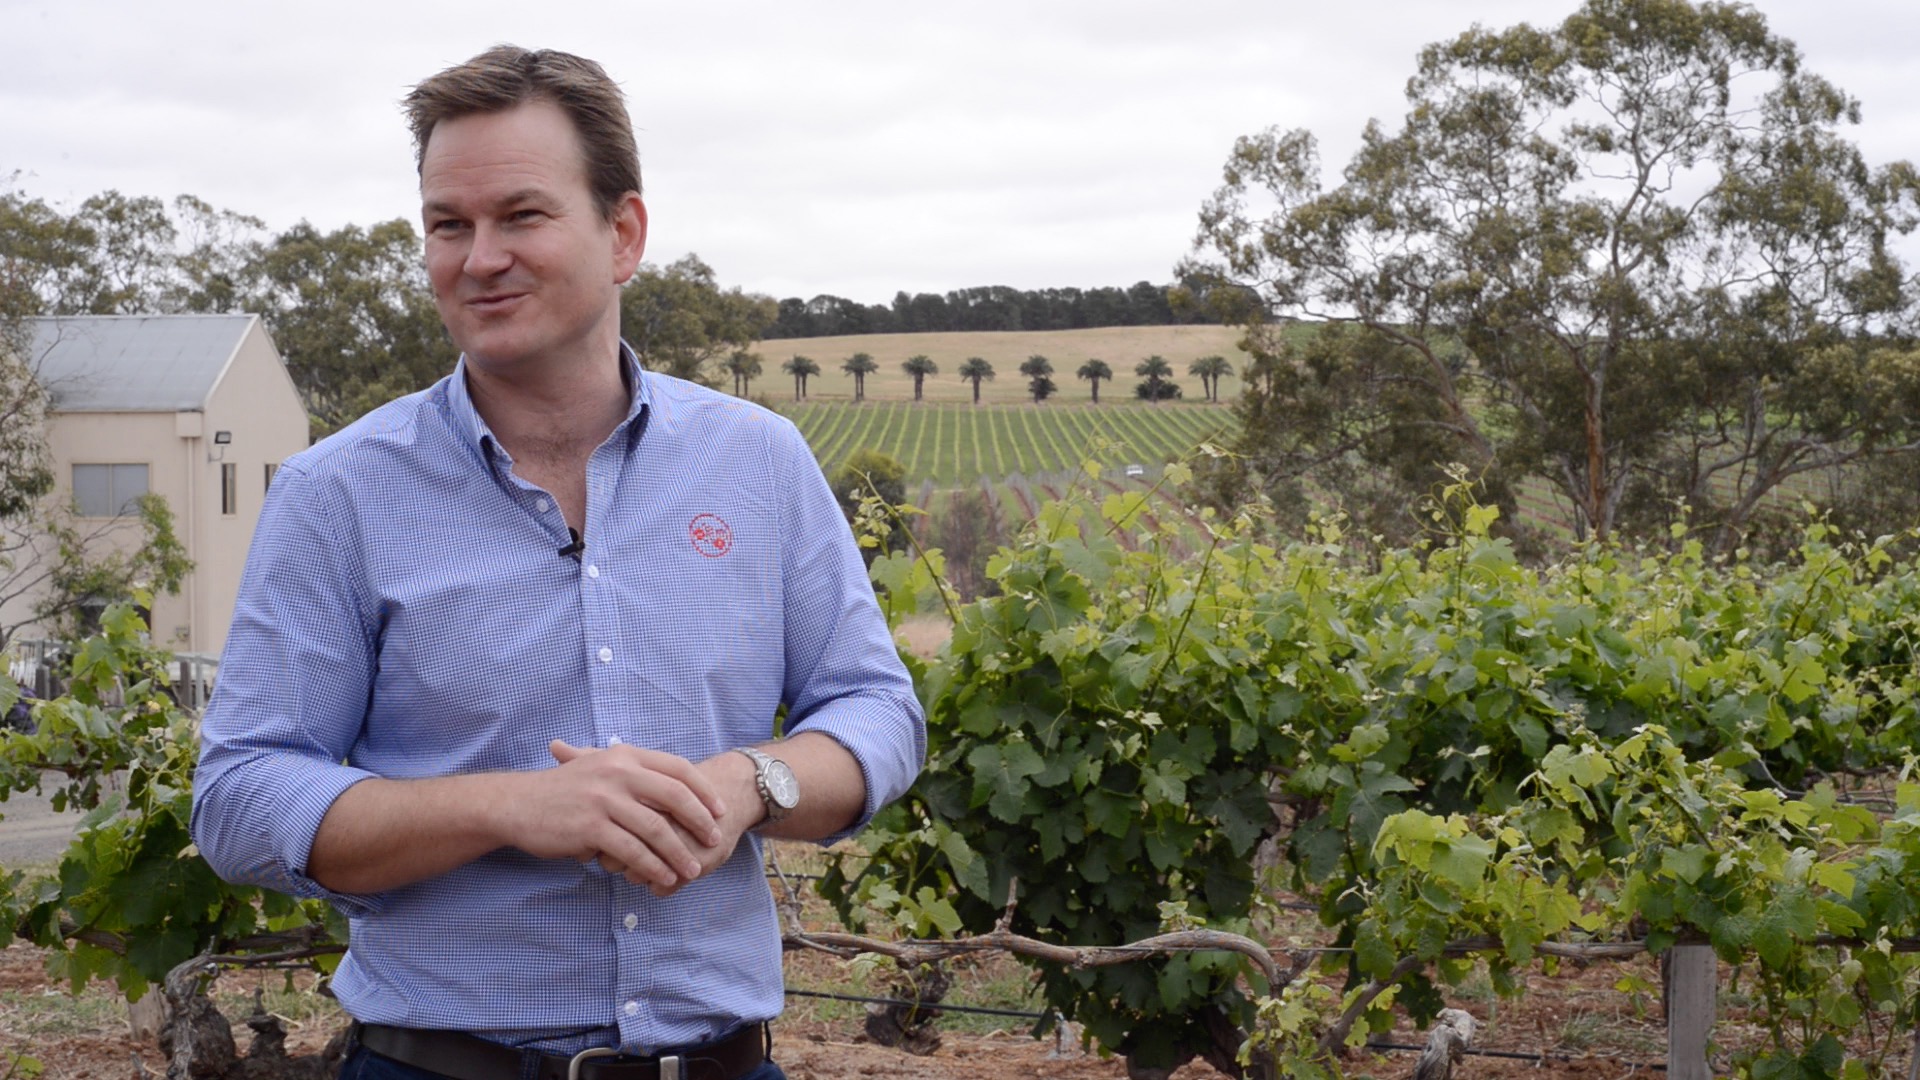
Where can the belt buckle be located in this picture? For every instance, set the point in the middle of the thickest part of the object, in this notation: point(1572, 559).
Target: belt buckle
point(573, 1067)
point(669, 1064)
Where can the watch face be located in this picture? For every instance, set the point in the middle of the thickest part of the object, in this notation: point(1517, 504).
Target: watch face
point(781, 785)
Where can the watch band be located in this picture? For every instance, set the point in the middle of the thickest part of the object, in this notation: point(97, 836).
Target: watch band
point(763, 762)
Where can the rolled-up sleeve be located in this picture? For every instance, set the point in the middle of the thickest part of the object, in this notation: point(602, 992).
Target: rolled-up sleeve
point(844, 677)
point(290, 699)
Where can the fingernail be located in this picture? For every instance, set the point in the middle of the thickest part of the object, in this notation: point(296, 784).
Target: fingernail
point(713, 838)
point(690, 871)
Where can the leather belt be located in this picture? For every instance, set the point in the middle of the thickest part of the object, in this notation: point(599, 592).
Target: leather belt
point(460, 1056)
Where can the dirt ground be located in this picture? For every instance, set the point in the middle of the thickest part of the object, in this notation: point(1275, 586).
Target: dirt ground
point(86, 1038)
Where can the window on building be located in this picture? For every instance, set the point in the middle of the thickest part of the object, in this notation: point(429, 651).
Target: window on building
point(229, 488)
point(108, 490)
point(271, 469)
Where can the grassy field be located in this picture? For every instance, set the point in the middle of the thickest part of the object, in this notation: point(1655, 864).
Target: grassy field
point(1120, 346)
point(951, 444)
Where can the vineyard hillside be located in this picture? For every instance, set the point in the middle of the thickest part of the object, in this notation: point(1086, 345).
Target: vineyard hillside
point(949, 444)
point(1120, 346)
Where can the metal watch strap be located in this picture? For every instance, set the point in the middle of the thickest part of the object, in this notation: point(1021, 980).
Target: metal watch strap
point(762, 761)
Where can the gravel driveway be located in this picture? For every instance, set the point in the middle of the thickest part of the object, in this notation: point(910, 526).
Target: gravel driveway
point(31, 834)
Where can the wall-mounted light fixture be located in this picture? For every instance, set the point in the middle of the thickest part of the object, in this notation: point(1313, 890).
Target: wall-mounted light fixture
point(221, 439)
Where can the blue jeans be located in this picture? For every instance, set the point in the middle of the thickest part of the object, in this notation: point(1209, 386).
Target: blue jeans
point(364, 1064)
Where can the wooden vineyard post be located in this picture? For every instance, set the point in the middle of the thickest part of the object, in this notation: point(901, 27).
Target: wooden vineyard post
point(1691, 976)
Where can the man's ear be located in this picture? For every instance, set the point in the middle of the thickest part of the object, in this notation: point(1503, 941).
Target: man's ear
point(629, 236)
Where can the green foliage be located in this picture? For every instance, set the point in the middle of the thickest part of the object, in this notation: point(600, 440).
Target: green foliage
point(745, 367)
point(1094, 371)
point(130, 898)
point(918, 368)
point(86, 569)
point(801, 368)
point(352, 313)
point(1209, 370)
point(1631, 254)
point(872, 475)
point(974, 370)
point(1457, 746)
point(681, 322)
point(1156, 384)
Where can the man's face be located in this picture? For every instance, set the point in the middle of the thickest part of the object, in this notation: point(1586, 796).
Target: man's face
point(526, 269)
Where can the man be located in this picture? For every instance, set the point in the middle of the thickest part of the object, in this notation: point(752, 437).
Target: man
point(506, 661)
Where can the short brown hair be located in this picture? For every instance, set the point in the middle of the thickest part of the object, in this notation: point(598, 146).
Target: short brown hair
point(507, 75)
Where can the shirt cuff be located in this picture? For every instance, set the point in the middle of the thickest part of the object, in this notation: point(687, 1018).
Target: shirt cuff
point(881, 731)
point(292, 831)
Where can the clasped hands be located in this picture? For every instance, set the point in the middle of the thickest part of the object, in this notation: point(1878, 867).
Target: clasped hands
point(652, 817)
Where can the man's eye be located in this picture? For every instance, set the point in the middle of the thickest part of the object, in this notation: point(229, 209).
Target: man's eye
point(526, 215)
point(444, 225)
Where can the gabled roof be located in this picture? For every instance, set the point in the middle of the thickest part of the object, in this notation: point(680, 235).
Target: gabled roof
point(134, 363)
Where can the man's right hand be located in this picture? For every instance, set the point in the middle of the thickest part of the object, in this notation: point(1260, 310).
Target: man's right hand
point(643, 814)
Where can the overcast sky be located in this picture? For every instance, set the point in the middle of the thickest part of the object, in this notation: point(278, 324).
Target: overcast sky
point(846, 148)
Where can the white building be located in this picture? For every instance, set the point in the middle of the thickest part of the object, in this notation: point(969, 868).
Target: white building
point(196, 408)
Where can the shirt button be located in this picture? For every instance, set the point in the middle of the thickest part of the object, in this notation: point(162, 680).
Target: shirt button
point(613, 740)
point(606, 656)
point(543, 506)
point(631, 1008)
point(593, 571)
point(632, 922)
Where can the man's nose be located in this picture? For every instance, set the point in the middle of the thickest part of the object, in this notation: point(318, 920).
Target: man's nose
point(489, 254)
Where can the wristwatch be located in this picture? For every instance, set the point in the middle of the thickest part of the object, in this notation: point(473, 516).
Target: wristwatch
point(779, 788)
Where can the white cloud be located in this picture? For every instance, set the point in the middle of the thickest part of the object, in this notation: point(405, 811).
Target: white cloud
point(856, 148)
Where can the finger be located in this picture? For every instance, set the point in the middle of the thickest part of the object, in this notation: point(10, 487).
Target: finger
point(688, 774)
point(563, 752)
point(658, 835)
point(667, 784)
point(625, 855)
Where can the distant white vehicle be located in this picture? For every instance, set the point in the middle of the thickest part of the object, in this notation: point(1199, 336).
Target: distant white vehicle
point(1136, 471)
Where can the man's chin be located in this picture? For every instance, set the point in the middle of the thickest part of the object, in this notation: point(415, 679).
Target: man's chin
point(495, 357)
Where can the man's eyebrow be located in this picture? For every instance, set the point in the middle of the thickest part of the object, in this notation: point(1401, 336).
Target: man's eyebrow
point(524, 195)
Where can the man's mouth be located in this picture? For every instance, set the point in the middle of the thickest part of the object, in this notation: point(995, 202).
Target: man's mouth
point(493, 302)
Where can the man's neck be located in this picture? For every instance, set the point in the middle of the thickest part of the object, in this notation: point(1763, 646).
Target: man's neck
point(554, 416)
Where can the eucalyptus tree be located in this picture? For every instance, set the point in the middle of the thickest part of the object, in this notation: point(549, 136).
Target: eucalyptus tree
point(919, 367)
point(1631, 253)
point(974, 370)
point(1094, 371)
point(681, 321)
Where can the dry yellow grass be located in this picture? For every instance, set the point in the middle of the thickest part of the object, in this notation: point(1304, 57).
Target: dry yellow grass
point(924, 634)
point(1120, 346)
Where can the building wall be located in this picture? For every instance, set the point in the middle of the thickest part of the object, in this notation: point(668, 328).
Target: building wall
point(255, 401)
point(123, 439)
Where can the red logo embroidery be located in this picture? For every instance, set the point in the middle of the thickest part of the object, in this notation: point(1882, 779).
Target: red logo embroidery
point(712, 537)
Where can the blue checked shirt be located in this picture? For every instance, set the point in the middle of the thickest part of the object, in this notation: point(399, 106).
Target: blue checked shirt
point(405, 613)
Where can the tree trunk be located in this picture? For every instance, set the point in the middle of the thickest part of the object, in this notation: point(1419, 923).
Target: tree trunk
point(1596, 494)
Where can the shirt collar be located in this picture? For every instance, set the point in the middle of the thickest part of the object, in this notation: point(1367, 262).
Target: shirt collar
point(473, 428)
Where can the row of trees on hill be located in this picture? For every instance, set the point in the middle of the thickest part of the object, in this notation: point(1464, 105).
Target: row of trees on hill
point(1156, 373)
point(988, 307)
point(350, 309)
point(1632, 254)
